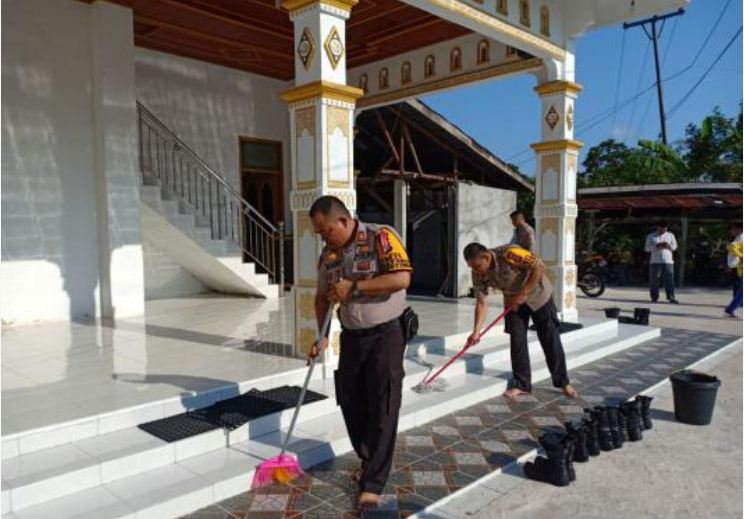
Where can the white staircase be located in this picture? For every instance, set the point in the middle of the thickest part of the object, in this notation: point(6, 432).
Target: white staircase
point(200, 222)
point(116, 470)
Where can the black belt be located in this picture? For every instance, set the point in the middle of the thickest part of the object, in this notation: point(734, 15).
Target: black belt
point(361, 332)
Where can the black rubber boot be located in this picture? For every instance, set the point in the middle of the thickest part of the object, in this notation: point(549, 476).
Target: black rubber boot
point(623, 421)
point(570, 444)
point(579, 433)
point(614, 421)
point(605, 435)
point(645, 402)
point(632, 411)
point(553, 469)
point(592, 434)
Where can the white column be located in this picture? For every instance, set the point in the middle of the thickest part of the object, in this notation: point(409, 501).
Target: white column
point(115, 152)
point(321, 108)
point(400, 208)
point(555, 185)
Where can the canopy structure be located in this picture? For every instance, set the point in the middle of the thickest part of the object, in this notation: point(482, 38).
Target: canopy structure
point(698, 200)
point(682, 203)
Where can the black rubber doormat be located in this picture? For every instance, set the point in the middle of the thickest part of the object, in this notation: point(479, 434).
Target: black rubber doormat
point(228, 414)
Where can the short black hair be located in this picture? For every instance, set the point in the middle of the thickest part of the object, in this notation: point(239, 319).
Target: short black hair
point(516, 213)
point(473, 250)
point(327, 205)
point(662, 223)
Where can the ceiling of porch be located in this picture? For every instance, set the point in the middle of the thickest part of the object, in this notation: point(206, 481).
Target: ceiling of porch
point(257, 35)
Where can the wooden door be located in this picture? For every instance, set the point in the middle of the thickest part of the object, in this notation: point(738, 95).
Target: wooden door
point(262, 180)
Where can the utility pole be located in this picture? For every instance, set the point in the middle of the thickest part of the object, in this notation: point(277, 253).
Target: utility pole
point(654, 37)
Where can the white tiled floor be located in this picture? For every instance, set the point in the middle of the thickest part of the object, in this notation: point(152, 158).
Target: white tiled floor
point(58, 372)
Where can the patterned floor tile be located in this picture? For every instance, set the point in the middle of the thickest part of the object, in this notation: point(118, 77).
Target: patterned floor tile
point(544, 421)
point(392, 506)
point(436, 459)
point(212, 512)
point(570, 410)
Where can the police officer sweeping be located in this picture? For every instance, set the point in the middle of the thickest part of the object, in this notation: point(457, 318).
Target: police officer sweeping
point(520, 275)
point(366, 269)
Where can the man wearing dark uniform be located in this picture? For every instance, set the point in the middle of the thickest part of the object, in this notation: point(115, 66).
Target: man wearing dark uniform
point(366, 269)
point(520, 275)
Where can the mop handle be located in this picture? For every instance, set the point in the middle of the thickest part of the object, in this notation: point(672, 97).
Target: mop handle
point(466, 347)
point(323, 330)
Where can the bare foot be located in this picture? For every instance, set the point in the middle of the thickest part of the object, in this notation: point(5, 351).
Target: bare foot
point(514, 392)
point(570, 392)
point(368, 500)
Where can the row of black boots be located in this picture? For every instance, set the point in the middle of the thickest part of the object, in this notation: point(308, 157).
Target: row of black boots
point(603, 428)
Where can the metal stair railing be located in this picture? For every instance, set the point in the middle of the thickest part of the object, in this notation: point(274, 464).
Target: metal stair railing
point(168, 160)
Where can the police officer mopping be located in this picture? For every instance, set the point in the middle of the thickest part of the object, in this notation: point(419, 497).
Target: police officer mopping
point(365, 268)
point(520, 275)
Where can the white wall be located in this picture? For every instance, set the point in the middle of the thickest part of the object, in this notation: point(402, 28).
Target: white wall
point(482, 216)
point(209, 107)
point(50, 153)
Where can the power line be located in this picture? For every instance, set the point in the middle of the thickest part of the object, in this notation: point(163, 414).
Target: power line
point(663, 62)
point(594, 120)
point(617, 82)
point(641, 75)
point(705, 74)
point(654, 36)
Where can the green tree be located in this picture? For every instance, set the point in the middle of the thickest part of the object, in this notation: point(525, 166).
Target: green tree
point(605, 164)
point(711, 152)
point(714, 149)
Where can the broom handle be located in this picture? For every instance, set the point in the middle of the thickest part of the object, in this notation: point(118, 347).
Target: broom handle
point(467, 346)
point(323, 330)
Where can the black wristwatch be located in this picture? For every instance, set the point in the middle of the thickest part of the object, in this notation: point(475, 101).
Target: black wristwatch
point(355, 292)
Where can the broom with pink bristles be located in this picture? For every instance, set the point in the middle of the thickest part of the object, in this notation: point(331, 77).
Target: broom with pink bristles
point(285, 467)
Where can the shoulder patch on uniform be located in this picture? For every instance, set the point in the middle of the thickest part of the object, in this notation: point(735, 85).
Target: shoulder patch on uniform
point(390, 252)
point(519, 257)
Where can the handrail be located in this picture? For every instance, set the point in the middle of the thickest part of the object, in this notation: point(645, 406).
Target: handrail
point(177, 168)
point(143, 109)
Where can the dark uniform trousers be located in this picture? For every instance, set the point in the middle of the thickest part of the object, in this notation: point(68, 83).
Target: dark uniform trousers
point(369, 383)
point(546, 323)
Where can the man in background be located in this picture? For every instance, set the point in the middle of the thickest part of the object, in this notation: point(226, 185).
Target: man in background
point(661, 244)
point(524, 235)
point(734, 260)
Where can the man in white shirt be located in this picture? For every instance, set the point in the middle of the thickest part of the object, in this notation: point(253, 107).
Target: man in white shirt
point(661, 244)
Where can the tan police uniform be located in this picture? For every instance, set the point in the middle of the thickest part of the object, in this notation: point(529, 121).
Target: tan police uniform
point(509, 272)
point(370, 372)
point(524, 236)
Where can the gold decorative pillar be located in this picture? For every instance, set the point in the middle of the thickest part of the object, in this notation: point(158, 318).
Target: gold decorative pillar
point(555, 191)
point(321, 108)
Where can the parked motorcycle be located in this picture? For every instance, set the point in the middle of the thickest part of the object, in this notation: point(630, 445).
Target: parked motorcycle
point(592, 275)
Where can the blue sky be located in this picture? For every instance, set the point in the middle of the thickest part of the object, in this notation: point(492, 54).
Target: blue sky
point(503, 115)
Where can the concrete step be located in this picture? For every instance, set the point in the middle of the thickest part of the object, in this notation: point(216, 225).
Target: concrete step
point(66, 469)
point(128, 463)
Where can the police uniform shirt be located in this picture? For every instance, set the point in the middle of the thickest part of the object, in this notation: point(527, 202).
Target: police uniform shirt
point(509, 272)
point(524, 236)
point(373, 250)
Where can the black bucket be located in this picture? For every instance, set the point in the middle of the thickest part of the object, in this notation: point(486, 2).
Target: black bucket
point(612, 313)
point(694, 396)
point(641, 315)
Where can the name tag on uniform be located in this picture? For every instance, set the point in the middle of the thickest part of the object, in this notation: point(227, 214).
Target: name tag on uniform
point(363, 266)
point(334, 274)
